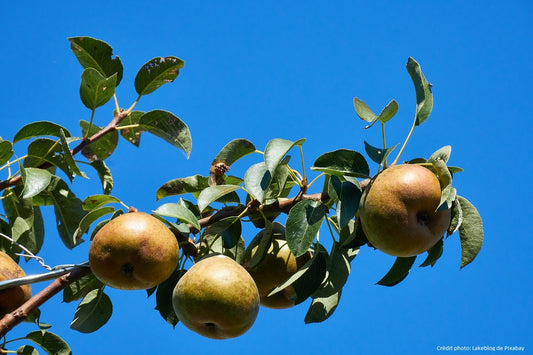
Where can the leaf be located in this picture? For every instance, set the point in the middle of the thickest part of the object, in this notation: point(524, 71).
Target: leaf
point(303, 223)
point(191, 184)
point(80, 288)
point(322, 307)
point(260, 245)
point(229, 228)
point(157, 72)
point(276, 149)
point(424, 97)
point(213, 193)
point(378, 155)
point(104, 173)
point(6, 151)
point(68, 210)
point(89, 219)
point(49, 342)
point(442, 154)
point(93, 312)
point(40, 128)
point(43, 150)
point(233, 151)
point(165, 125)
point(103, 147)
point(132, 134)
point(96, 201)
point(93, 53)
point(363, 111)
point(388, 111)
point(470, 232)
point(67, 156)
point(434, 253)
point(175, 210)
point(163, 298)
point(398, 272)
point(342, 162)
point(27, 350)
point(347, 196)
point(95, 89)
point(34, 180)
point(257, 179)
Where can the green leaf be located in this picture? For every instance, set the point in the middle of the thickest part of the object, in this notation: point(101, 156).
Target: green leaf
point(80, 288)
point(442, 154)
point(93, 312)
point(470, 232)
point(233, 151)
point(276, 149)
point(398, 272)
point(69, 159)
point(388, 111)
point(43, 150)
point(96, 201)
point(444, 175)
point(40, 128)
point(27, 350)
point(163, 298)
point(378, 155)
point(434, 253)
point(89, 219)
point(6, 151)
point(132, 134)
point(228, 228)
point(191, 184)
point(257, 179)
point(322, 306)
point(175, 210)
point(363, 111)
point(103, 147)
point(303, 223)
point(68, 210)
point(93, 53)
point(165, 125)
point(157, 72)
point(95, 89)
point(49, 342)
point(34, 180)
point(348, 196)
point(424, 97)
point(342, 162)
point(260, 245)
point(27, 226)
point(104, 173)
point(213, 193)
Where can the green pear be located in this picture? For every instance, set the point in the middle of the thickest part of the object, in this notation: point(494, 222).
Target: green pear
point(216, 298)
point(133, 251)
point(398, 210)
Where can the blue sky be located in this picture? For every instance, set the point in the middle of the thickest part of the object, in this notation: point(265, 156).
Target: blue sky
point(263, 70)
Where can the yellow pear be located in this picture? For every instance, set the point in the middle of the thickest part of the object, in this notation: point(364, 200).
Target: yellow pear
point(14, 297)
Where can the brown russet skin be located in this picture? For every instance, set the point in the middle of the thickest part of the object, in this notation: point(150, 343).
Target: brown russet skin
point(133, 251)
point(276, 267)
point(216, 298)
point(398, 210)
point(14, 297)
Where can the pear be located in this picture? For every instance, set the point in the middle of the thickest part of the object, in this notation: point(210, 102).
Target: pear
point(133, 251)
point(14, 297)
point(216, 298)
point(398, 210)
point(277, 266)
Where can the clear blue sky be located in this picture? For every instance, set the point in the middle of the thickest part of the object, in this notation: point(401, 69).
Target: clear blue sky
point(263, 70)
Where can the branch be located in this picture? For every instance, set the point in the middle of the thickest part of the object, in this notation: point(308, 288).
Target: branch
point(14, 318)
point(98, 135)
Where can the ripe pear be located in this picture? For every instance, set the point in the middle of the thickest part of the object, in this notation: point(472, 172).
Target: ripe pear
point(14, 297)
point(398, 210)
point(277, 266)
point(133, 251)
point(216, 298)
